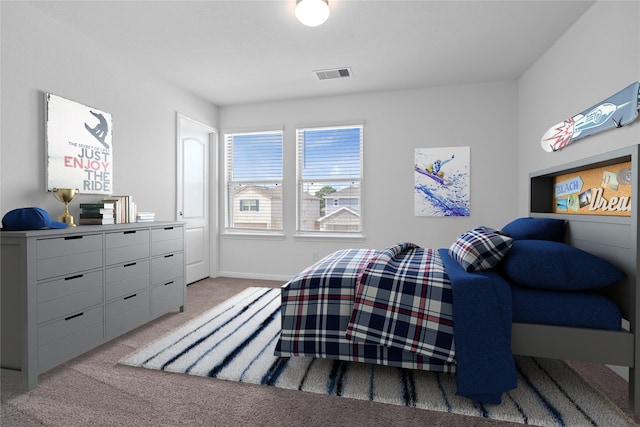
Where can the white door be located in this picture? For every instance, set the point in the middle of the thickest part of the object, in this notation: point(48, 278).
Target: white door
point(195, 142)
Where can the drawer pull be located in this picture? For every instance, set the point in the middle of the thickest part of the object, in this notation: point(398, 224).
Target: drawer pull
point(74, 316)
point(168, 256)
point(130, 264)
point(73, 237)
point(130, 296)
point(130, 232)
point(77, 276)
point(168, 228)
point(168, 283)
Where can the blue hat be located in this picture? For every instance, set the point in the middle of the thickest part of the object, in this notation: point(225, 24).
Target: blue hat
point(29, 219)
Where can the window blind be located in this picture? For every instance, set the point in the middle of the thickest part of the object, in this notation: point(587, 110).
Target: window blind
point(254, 165)
point(329, 179)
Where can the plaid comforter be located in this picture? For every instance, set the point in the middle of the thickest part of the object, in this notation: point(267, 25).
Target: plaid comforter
point(335, 309)
point(396, 307)
point(404, 300)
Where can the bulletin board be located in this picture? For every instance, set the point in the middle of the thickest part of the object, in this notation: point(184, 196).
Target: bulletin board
point(599, 191)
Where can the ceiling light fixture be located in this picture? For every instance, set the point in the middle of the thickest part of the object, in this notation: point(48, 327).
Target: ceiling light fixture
point(312, 12)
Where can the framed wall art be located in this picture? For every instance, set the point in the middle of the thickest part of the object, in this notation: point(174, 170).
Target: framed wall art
point(442, 179)
point(79, 146)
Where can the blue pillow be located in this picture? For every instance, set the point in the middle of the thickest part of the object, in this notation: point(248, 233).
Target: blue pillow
point(479, 249)
point(535, 229)
point(557, 266)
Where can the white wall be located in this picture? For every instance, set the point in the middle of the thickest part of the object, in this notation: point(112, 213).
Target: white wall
point(502, 122)
point(40, 55)
point(482, 116)
point(597, 57)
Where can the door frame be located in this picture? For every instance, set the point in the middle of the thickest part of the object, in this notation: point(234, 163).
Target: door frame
point(213, 184)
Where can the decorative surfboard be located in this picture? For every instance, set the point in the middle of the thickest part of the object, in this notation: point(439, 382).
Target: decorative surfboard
point(616, 111)
point(434, 177)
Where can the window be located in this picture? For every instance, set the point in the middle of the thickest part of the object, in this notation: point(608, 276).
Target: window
point(254, 180)
point(329, 179)
point(250, 205)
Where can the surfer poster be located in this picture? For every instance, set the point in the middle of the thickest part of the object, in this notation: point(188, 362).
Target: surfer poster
point(79, 147)
point(442, 177)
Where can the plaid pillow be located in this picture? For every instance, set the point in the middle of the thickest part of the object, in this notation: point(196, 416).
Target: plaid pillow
point(481, 248)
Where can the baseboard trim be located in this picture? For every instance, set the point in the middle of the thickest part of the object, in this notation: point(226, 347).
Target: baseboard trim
point(253, 276)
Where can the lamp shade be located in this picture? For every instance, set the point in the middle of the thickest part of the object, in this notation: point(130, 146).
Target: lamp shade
point(312, 12)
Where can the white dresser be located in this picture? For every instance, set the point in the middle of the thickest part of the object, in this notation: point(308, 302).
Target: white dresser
point(67, 291)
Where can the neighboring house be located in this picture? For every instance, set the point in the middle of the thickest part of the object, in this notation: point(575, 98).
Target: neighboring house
point(257, 207)
point(343, 219)
point(348, 197)
point(310, 212)
point(342, 209)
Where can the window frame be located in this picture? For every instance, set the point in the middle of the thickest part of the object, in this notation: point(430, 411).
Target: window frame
point(249, 205)
point(301, 181)
point(230, 183)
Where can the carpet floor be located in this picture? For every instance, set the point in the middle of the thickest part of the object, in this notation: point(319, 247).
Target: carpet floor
point(95, 390)
point(236, 340)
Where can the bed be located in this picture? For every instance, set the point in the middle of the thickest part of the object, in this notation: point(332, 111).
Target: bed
point(364, 305)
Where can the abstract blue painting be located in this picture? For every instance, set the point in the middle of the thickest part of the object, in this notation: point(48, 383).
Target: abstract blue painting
point(442, 177)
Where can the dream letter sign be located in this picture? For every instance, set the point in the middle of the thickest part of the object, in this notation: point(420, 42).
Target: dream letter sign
point(599, 191)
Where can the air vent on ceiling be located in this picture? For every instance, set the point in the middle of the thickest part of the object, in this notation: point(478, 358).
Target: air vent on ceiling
point(335, 73)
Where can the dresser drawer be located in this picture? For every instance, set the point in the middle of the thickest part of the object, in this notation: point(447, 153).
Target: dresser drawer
point(69, 245)
point(66, 255)
point(70, 294)
point(126, 246)
point(166, 267)
point(166, 239)
point(69, 337)
point(126, 278)
point(127, 313)
point(167, 296)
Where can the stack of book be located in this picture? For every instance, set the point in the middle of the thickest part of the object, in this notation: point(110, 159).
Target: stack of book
point(145, 216)
point(125, 208)
point(112, 210)
point(97, 213)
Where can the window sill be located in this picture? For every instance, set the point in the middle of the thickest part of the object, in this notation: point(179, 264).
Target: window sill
point(248, 234)
point(351, 237)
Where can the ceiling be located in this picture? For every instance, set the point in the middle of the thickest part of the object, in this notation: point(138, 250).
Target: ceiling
point(238, 52)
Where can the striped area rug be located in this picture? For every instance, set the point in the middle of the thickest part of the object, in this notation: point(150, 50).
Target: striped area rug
point(235, 341)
